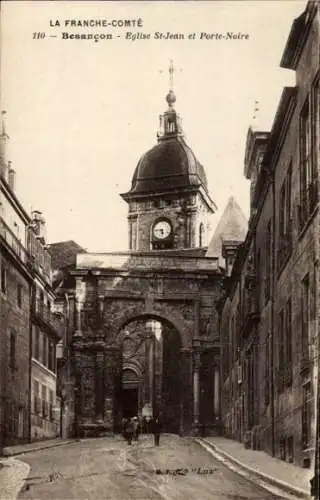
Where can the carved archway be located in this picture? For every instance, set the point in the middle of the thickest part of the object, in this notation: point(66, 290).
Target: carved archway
point(157, 358)
point(175, 320)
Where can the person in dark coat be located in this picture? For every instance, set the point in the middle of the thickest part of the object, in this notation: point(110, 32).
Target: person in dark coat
point(156, 429)
point(136, 428)
point(129, 430)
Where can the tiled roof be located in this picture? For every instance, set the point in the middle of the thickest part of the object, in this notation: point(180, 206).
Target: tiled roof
point(232, 226)
point(63, 254)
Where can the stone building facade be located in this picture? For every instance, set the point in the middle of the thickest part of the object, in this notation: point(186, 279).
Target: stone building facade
point(274, 285)
point(63, 258)
point(25, 267)
point(47, 328)
point(145, 337)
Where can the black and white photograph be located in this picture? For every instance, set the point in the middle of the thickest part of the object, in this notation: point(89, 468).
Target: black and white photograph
point(159, 250)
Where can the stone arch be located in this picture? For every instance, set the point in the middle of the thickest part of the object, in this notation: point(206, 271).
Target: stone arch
point(134, 366)
point(171, 318)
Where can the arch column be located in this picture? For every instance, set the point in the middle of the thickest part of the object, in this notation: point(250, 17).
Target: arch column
point(79, 301)
point(77, 391)
point(216, 393)
point(185, 390)
point(196, 391)
point(149, 376)
point(110, 385)
point(100, 386)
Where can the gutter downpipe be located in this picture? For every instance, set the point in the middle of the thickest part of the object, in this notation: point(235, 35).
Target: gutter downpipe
point(315, 487)
point(272, 174)
point(32, 308)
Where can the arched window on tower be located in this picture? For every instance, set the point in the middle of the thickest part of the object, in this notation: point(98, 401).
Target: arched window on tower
point(201, 235)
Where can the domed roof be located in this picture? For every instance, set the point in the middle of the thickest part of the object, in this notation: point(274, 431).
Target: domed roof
point(170, 164)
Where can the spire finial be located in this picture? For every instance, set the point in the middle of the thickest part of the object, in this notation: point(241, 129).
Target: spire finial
point(171, 73)
point(171, 98)
point(3, 124)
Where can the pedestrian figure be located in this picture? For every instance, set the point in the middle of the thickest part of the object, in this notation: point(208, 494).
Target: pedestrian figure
point(129, 431)
point(156, 429)
point(136, 428)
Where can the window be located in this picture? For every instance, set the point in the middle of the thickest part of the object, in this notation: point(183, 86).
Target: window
point(3, 280)
point(133, 234)
point(305, 314)
point(258, 271)
point(288, 343)
point(51, 357)
point(251, 395)
point(51, 403)
point(285, 221)
point(45, 350)
point(281, 351)
point(41, 300)
point(268, 250)
point(309, 137)
point(130, 236)
point(201, 235)
point(13, 350)
point(21, 423)
point(306, 415)
point(41, 342)
point(285, 347)
point(233, 339)
point(267, 373)
point(315, 136)
point(19, 295)
point(36, 353)
point(44, 400)
point(305, 147)
point(282, 210)
point(36, 396)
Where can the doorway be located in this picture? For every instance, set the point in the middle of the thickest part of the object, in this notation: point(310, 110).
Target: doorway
point(129, 402)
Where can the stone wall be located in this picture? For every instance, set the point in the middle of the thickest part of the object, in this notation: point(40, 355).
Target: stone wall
point(15, 352)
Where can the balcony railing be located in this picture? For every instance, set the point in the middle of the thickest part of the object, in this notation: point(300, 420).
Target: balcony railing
point(13, 242)
point(49, 318)
point(22, 252)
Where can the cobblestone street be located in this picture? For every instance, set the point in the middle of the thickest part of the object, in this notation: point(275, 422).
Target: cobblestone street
point(109, 468)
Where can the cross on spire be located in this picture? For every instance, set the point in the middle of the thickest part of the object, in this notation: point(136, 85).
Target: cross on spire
point(171, 73)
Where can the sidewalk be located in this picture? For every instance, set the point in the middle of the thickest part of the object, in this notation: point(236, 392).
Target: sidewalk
point(283, 475)
point(12, 451)
point(13, 472)
point(12, 475)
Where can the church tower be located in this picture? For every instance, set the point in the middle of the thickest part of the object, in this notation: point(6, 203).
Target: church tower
point(169, 203)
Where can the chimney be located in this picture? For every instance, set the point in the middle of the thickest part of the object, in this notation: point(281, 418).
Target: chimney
point(11, 176)
point(229, 253)
point(39, 225)
point(4, 138)
point(4, 170)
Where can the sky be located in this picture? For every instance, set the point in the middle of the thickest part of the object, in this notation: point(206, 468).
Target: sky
point(81, 113)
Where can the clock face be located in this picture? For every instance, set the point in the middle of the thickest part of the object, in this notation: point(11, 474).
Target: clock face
point(162, 229)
